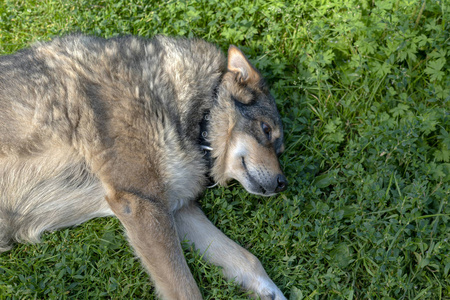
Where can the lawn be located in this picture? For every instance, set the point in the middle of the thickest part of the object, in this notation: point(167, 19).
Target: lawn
point(363, 87)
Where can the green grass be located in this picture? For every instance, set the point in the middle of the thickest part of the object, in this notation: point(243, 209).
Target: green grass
point(364, 90)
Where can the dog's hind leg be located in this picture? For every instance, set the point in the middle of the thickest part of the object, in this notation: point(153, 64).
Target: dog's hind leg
point(217, 248)
point(44, 193)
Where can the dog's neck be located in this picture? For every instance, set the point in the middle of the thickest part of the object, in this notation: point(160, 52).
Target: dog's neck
point(202, 139)
point(205, 145)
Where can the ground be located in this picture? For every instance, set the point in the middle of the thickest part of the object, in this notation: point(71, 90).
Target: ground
point(363, 88)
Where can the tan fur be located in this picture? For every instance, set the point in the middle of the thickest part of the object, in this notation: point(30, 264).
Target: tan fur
point(93, 127)
point(260, 161)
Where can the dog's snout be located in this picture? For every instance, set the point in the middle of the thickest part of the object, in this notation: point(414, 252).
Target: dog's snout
point(281, 183)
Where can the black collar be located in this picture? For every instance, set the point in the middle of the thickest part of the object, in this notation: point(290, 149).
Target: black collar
point(205, 145)
point(203, 141)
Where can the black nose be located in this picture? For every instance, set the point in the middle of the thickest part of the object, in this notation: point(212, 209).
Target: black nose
point(281, 183)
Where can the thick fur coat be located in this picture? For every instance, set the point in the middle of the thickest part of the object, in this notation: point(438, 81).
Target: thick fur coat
point(92, 127)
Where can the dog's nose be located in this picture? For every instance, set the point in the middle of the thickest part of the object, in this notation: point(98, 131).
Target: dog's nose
point(281, 183)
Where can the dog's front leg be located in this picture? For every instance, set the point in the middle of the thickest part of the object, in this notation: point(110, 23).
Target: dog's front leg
point(152, 233)
point(237, 263)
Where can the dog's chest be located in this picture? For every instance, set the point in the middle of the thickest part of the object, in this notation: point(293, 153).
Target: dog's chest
point(186, 179)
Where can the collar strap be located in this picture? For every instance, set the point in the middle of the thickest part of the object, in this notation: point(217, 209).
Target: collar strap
point(205, 145)
point(203, 141)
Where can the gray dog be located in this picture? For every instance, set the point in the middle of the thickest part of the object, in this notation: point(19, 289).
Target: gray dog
point(135, 128)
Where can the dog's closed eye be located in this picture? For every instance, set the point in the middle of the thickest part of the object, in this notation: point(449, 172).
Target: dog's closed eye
point(267, 130)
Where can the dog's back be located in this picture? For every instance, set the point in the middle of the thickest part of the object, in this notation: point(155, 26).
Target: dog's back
point(56, 103)
point(45, 183)
point(92, 127)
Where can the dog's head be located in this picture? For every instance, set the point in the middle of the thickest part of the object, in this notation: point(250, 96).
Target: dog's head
point(246, 130)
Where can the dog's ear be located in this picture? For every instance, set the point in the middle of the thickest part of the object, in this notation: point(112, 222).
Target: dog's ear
point(238, 63)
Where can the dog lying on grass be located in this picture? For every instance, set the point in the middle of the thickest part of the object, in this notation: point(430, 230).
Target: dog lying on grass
point(135, 128)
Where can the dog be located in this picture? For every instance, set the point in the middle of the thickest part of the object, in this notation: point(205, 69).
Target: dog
point(137, 128)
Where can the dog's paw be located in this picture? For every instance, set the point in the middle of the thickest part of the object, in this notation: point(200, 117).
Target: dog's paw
point(252, 277)
point(273, 296)
point(267, 290)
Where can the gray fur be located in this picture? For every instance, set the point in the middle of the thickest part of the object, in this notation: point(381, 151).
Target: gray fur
point(92, 127)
